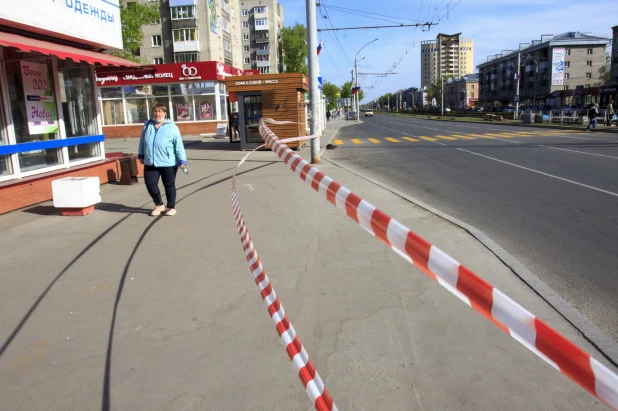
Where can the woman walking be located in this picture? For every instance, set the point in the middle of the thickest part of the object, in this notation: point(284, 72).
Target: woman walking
point(162, 152)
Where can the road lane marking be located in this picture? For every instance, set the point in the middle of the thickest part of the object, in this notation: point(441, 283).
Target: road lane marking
point(411, 139)
point(446, 138)
point(374, 140)
point(581, 152)
point(394, 140)
point(356, 141)
point(464, 137)
point(540, 172)
point(479, 135)
point(428, 138)
point(340, 142)
point(497, 135)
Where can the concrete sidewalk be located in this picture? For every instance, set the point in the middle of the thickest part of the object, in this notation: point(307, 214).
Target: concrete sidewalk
point(119, 310)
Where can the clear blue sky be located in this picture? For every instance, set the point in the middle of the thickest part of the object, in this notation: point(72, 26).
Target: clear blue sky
point(495, 25)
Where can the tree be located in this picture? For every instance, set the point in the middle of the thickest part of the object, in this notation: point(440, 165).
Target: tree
point(435, 89)
point(346, 90)
point(332, 92)
point(133, 16)
point(294, 49)
point(361, 95)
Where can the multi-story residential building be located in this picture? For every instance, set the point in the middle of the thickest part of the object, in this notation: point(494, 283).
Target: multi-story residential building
point(194, 30)
point(614, 57)
point(555, 70)
point(412, 98)
point(261, 24)
point(461, 92)
point(447, 55)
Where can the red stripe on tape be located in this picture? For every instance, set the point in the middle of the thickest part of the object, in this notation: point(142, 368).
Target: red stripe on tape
point(306, 373)
point(294, 347)
point(379, 225)
point(479, 292)
point(304, 171)
point(287, 157)
point(296, 161)
point(283, 325)
point(324, 402)
point(331, 192)
point(351, 206)
point(315, 183)
point(418, 250)
point(274, 307)
point(266, 291)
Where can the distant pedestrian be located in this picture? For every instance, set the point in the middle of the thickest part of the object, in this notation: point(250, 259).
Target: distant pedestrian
point(161, 151)
point(327, 115)
point(234, 123)
point(592, 116)
point(610, 113)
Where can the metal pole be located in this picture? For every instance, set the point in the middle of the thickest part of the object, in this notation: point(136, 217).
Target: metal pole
point(442, 94)
point(356, 84)
point(314, 92)
point(517, 92)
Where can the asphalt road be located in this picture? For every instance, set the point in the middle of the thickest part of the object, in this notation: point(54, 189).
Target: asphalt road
point(549, 197)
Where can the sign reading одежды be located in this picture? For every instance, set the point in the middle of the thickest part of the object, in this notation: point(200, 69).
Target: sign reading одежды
point(39, 96)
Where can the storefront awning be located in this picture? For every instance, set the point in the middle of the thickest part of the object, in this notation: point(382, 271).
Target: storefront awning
point(64, 52)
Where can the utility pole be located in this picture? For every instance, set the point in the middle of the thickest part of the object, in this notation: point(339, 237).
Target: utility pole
point(356, 85)
point(314, 93)
point(517, 88)
point(442, 94)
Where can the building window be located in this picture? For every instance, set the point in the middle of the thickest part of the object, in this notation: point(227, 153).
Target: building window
point(157, 60)
point(247, 60)
point(587, 86)
point(245, 49)
point(567, 52)
point(245, 36)
point(566, 76)
point(244, 12)
point(260, 10)
point(262, 46)
point(471, 95)
point(226, 45)
point(588, 75)
point(225, 6)
point(225, 25)
point(184, 35)
point(185, 57)
point(589, 63)
point(183, 12)
point(264, 70)
point(245, 24)
point(261, 22)
point(566, 87)
point(156, 41)
point(567, 64)
point(263, 58)
point(589, 51)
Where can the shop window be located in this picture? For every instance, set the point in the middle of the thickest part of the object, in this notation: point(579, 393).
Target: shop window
point(5, 166)
point(136, 102)
point(113, 112)
point(84, 151)
point(26, 121)
point(33, 160)
point(77, 98)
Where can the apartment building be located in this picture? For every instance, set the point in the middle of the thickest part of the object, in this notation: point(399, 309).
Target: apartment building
point(261, 24)
point(555, 70)
point(461, 92)
point(448, 54)
point(614, 57)
point(193, 30)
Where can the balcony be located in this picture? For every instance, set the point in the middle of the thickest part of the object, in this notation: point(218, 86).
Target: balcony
point(260, 52)
point(260, 39)
point(261, 27)
point(184, 24)
point(262, 63)
point(227, 53)
point(181, 46)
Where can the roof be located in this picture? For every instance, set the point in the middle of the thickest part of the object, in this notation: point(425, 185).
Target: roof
point(576, 36)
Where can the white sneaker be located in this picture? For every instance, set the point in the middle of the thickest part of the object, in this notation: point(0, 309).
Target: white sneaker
point(157, 210)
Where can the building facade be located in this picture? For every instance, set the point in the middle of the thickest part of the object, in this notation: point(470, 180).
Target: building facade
point(261, 24)
point(194, 30)
point(447, 55)
point(614, 58)
point(462, 92)
point(567, 69)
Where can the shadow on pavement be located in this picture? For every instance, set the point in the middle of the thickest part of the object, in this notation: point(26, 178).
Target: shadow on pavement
point(43, 210)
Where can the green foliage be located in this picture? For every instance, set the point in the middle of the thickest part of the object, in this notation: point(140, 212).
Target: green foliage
point(294, 49)
point(433, 91)
point(346, 90)
point(332, 92)
point(133, 16)
point(361, 95)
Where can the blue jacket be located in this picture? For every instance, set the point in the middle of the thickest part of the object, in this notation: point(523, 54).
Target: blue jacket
point(162, 147)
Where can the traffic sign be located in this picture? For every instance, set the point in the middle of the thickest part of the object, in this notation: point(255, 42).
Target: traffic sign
point(516, 99)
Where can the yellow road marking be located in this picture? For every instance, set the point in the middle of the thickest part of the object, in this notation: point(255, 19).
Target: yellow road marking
point(525, 132)
point(356, 141)
point(428, 138)
point(446, 137)
point(394, 140)
point(340, 142)
point(410, 139)
point(498, 135)
point(479, 135)
point(464, 137)
point(374, 140)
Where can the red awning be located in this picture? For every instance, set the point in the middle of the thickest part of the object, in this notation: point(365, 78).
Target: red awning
point(64, 52)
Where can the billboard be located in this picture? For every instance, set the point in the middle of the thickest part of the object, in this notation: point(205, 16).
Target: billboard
point(96, 22)
point(557, 66)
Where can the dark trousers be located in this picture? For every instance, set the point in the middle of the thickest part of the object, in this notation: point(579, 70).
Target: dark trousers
point(168, 175)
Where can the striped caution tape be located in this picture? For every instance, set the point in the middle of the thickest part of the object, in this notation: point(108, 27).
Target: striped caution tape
point(511, 317)
point(307, 373)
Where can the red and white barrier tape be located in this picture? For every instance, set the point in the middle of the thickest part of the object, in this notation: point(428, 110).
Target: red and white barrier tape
point(511, 317)
point(307, 373)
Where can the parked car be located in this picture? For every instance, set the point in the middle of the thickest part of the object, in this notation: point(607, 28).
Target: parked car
point(368, 113)
point(351, 115)
point(447, 109)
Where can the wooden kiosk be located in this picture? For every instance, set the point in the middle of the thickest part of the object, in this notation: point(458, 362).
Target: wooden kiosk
point(277, 96)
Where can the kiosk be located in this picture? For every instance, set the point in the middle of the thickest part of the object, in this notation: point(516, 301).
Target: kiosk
point(277, 96)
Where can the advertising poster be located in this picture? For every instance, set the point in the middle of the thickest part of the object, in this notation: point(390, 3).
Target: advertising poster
point(182, 112)
point(39, 95)
point(213, 16)
point(557, 67)
point(205, 110)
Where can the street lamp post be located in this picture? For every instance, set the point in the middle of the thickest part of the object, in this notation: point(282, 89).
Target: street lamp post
point(356, 68)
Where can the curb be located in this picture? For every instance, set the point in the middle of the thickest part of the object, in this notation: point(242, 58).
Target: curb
point(606, 346)
point(498, 123)
point(323, 149)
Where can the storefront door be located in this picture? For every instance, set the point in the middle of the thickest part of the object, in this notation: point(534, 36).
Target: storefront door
point(250, 115)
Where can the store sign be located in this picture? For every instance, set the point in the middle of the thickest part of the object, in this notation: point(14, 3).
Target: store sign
point(39, 96)
point(94, 22)
point(255, 82)
point(557, 67)
point(251, 73)
point(167, 73)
